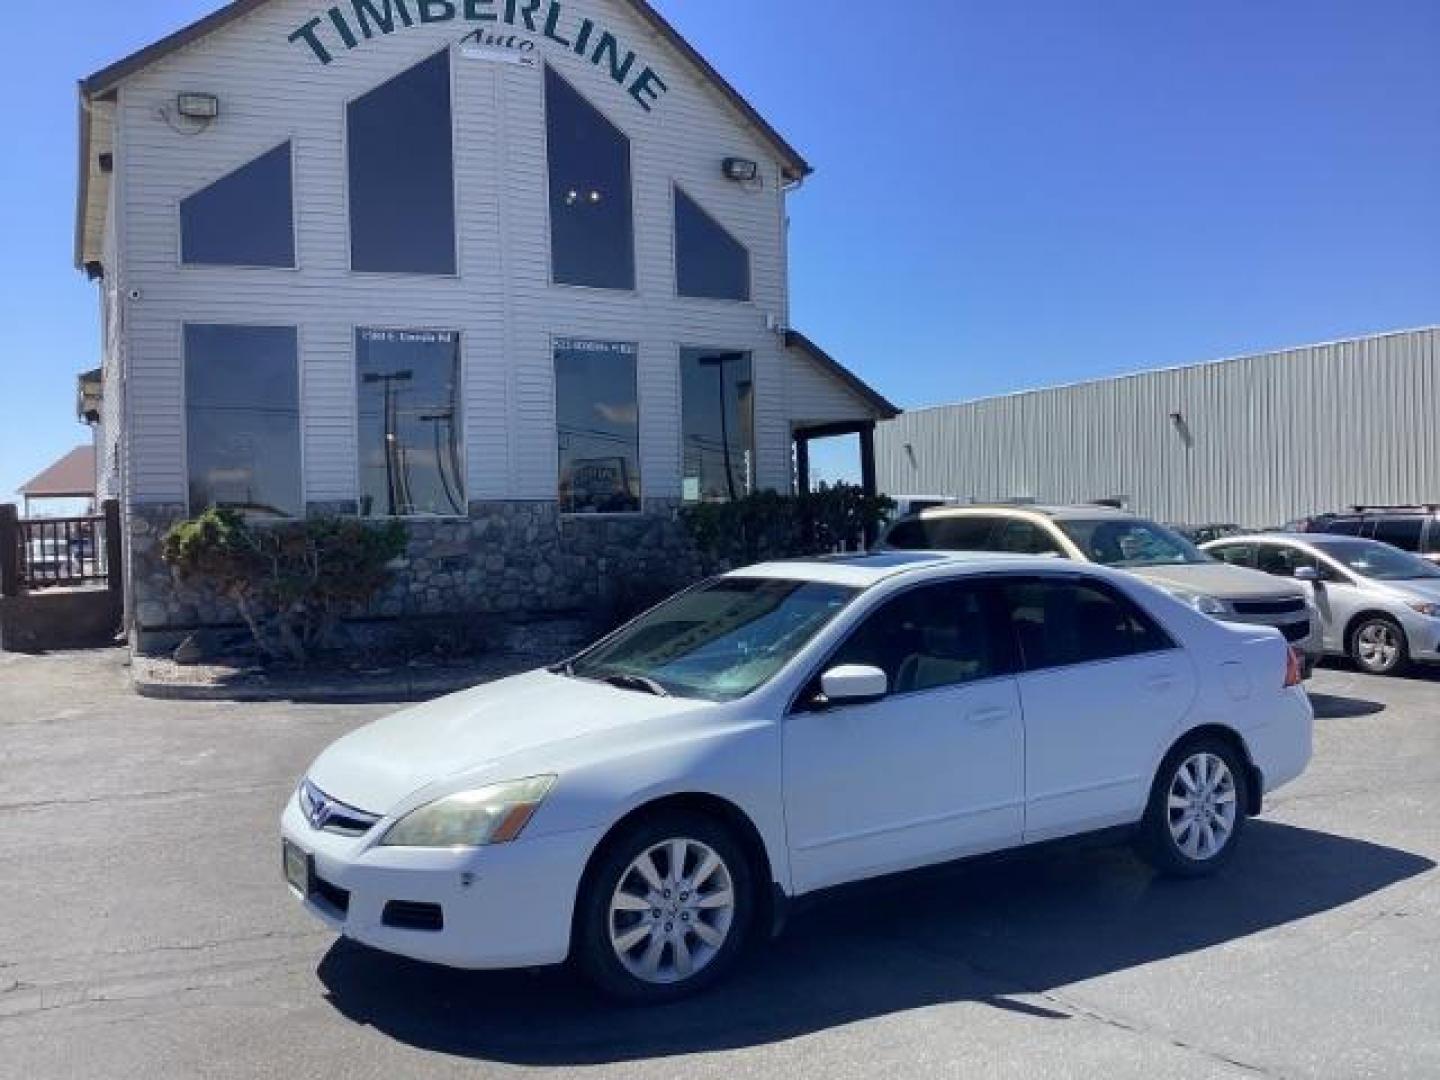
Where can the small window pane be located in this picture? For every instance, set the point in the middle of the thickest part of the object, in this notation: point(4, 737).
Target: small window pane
point(1403, 533)
point(244, 219)
point(718, 429)
point(931, 637)
point(1025, 538)
point(709, 262)
point(409, 387)
point(242, 413)
point(1282, 561)
point(598, 418)
point(402, 176)
point(592, 235)
point(1059, 623)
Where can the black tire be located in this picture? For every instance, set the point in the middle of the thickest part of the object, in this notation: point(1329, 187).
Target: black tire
point(1372, 631)
point(595, 952)
point(1157, 842)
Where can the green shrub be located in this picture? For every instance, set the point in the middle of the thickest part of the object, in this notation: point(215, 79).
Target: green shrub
point(291, 582)
point(767, 525)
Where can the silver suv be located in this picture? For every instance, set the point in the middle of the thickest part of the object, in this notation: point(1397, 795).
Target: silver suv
point(1115, 538)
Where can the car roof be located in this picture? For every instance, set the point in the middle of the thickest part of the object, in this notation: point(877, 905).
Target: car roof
point(863, 571)
point(1057, 512)
point(1310, 539)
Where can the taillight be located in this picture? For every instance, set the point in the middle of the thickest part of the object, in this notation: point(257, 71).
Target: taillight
point(1293, 667)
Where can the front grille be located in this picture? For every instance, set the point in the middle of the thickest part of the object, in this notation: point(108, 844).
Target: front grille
point(331, 815)
point(1296, 631)
point(412, 915)
point(332, 895)
point(1287, 605)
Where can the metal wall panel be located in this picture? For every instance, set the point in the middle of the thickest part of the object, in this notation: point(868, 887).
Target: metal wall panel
point(1258, 440)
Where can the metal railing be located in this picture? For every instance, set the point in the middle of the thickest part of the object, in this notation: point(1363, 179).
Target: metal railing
point(57, 553)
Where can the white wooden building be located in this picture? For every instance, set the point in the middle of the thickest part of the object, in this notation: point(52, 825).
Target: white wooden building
point(458, 261)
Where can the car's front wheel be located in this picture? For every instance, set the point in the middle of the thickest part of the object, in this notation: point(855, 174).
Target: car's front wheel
point(1378, 646)
point(666, 909)
point(1197, 809)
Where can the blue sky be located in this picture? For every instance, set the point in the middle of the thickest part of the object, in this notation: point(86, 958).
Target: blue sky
point(1009, 193)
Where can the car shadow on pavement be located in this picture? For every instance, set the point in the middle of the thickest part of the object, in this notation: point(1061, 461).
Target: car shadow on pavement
point(1335, 707)
point(1015, 925)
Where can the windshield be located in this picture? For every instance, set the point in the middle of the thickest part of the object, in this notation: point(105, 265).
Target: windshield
point(719, 641)
point(1377, 561)
point(1130, 542)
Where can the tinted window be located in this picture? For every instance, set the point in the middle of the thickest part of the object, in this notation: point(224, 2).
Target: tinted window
point(402, 176)
point(1234, 554)
point(599, 426)
point(1432, 536)
point(592, 236)
point(718, 424)
point(409, 389)
point(1282, 561)
point(1064, 622)
point(242, 415)
point(930, 637)
point(709, 262)
point(1341, 526)
point(1025, 538)
point(1403, 533)
point(941, 534)
point(244, 219)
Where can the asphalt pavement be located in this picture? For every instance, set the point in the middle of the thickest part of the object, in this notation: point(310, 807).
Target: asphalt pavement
point(144, 931)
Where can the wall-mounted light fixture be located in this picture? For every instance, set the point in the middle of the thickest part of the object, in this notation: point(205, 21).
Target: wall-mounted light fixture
point(741, 170)
point(106, 162)
point(194, 106)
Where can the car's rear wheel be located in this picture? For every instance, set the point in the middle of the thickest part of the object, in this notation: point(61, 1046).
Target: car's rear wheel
point(666, 909)
point(1378, 645)
point(1197, 809)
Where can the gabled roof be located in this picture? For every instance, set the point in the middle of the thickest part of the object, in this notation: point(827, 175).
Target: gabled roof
point(72, 477)
point(884, 410)
point(105, 80)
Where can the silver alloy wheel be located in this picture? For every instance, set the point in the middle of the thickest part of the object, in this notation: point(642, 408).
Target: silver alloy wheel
point(672, 911)
point(1202, 806)
point(1378, 645)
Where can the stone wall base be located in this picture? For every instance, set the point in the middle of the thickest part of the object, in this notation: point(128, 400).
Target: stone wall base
point(508, 564)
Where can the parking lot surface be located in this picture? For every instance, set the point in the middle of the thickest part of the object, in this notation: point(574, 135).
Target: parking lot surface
point(144, 931)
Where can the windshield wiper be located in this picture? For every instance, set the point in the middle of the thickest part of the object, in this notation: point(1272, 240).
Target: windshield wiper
point(635, 682)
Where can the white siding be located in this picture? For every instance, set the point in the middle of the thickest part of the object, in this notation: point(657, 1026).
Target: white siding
point(1265, 438)
point(501, 301)
point(817, 397)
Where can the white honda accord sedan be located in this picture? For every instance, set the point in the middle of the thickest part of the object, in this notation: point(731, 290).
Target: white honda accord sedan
point(651, 804)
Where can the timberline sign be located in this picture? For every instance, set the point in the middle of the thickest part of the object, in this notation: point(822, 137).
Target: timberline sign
point(347, 25)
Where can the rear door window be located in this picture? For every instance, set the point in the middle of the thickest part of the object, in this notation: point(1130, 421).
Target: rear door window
point(1234, 554)
point(1025, 538)
point(969, 533)
point(1402, 532)
point(1060, 622)
point(1340, 526)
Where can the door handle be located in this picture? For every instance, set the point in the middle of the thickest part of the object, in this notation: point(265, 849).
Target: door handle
point(1160, 683)
point(989, 717)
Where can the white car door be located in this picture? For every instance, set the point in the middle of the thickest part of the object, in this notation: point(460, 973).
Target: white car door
point(1104, 690)
point(933, 771)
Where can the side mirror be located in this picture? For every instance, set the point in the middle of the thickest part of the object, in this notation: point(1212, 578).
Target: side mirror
point(854, 684)
point(1307, 573)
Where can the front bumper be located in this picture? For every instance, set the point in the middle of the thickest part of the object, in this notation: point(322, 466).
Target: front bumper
point(505, 906)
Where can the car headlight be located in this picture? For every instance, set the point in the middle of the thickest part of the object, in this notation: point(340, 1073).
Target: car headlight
point(490, 815)
point(1426, 608)
point(1206, 605)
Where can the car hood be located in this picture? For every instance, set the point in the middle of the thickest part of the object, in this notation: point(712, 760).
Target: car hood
point(380, 765)
point(1219, 580)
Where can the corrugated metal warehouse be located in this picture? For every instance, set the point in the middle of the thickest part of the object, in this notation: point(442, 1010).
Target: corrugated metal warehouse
point(1256, 440)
